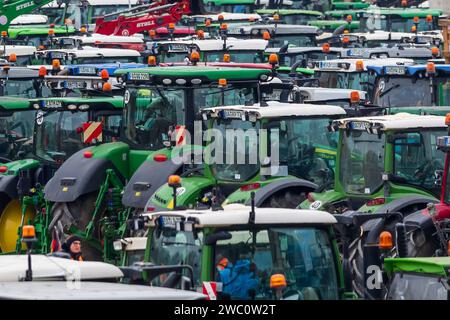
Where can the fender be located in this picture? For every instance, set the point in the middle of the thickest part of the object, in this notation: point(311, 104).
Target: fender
point(9, 181)
point(188, 192)
point(420, 220)
point(8, 185)
point(77, 176)
point(396, 206)
point(146, 181)
point(265, 192)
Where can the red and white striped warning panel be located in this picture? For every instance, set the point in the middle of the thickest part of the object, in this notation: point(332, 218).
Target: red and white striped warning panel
point(92, 130)
point(210, 289)
point(180, 135)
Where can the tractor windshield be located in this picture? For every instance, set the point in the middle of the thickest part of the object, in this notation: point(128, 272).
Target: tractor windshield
point(390, 92)
point(172, 247)
point(417, 159)
point(444, 92)
point(298, 19)
point(150, 113)
point(394, 23)
point(409, 286)
point(231, 8)
point(344, 80)
point(105, 60)
point(307, 148)
point(245, 263)
point(58, 135)
point(361, 161)
point(234, 149)
point(243, 56)
point(23, 88)
point(298, 40)
point(16, 133)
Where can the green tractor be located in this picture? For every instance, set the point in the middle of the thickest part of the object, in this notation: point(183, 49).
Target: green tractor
point(418, 278)
point(160, 103)
point(62, 126)
point(243, 252)
point(301, 161)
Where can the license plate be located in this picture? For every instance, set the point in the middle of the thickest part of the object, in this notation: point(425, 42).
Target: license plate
point(398, 70)
point(233, 114)
point(178, 48)
point(53, 104)
point(56, 55)
point(169, 222)
point(86, 70)
point(74, 84)
point(139, 76)
point(356, 52)
point(355, 125)
point(328, 65)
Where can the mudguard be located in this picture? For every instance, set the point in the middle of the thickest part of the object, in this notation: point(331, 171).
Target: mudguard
point(265, 192)
point(8, 185)
point(146, 180)
point(420, 220)
point(77, 176)
point(396, 206)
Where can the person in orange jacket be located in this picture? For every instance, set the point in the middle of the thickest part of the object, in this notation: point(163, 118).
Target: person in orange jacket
point(72, 246)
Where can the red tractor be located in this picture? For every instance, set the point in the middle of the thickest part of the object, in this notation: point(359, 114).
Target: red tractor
point(147, 17)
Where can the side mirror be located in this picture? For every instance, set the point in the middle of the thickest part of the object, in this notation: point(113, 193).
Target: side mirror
point(213, 238)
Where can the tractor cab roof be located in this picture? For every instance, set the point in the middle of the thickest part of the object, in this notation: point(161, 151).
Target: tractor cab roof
point(14, 104)
point(82, 104)
point(227, 17)
point(87, 52)
point(380, 35)
point(349, 65)
point(277, 29)
point(92, 39)
point(238, 215)
point(412, 70)
point(274, 109)
point(402, 12)
point(300, 50)
point(195, 75)
point(18, 50)
point(328, 94)
point(232, 44)
point(17, 73)
point(399, 121)
point(95, 69)
point(438, 266)
point(27, 19)
point(398, 51)
point(288, 12)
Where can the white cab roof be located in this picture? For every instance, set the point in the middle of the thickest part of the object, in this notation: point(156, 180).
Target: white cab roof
point(13, 267)
point(238, 215)
point(87, 52)
point(227, 16)
point(87, 290)
point(332, 65)
point(111, 2)
point(397, 121)
point(30, 19)
point(324, 94)
point(93, 38)
point(18, 50)
point(233, 44)
point(279, 29)
point(277, 109)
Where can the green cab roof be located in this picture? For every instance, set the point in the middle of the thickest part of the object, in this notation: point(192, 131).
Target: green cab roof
point(284, 69)
point(14, 32)
point(350, 5)
point(211, 73)
point(286, 12)
point(439, 266)
point(404, 13)
point(333, 24)
point(435, 111)
point(115, 102)
point(14, 104)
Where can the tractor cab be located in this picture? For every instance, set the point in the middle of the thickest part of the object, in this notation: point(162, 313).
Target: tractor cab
point(420, 55)
point(278, 35)
point(418, 278)
point(87, 55)
point(211, 22)
point(290, 16)
point(303, 56)
point(266, 147)
point(242, 6)
point(351, 73)
point(100, 41)
point(431, 85)
point(21, 55)
point(384, 160)
point(37, 36)
point(54, 11)
point(211, 50)
point(249, 253)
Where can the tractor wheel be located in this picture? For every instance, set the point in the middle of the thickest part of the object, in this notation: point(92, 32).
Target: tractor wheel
point(285, 199)
point(10, 220)
point(77, 213)
point(356, 252)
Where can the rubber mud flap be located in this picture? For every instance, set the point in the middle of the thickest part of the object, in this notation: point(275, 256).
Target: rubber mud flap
point(145, 181)
point(77, 176)
point(8, 185)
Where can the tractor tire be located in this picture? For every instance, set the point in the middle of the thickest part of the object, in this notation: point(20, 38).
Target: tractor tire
point(285, 199)
point(77, 213)
point(10, 220)
point(356, 252)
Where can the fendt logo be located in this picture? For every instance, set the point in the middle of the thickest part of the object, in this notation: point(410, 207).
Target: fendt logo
point(24, 5)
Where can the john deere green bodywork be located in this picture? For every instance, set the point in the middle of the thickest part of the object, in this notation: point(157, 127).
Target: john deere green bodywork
point(371, 200)
point(293, 16)
point(439, 266)
point(38, 34)
point(9, 10)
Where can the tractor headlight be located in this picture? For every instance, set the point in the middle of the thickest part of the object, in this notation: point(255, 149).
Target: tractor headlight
point(72, 107)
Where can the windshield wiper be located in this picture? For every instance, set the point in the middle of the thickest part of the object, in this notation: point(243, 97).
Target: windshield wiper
point(391, 88)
